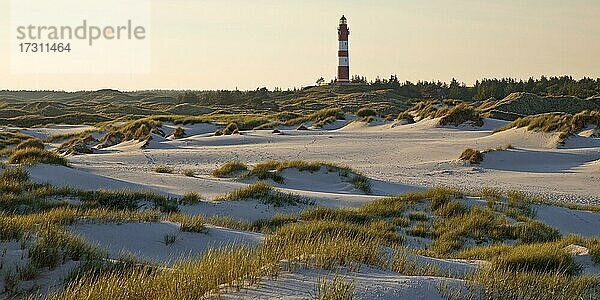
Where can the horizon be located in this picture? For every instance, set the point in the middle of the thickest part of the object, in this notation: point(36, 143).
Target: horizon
point(195, 45)
point(370, 82)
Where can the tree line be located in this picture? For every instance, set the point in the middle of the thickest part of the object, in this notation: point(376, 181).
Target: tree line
point(489, 88)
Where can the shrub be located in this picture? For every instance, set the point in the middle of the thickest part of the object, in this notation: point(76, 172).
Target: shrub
point(178, 133)
point(325, 244)
point(460, 114)
point(484, 252)
point(231, 128)
point(30, 143)
point(53, 246)
point(189, 173)
point(36, 156)
point(229, 169)
point(164, 170)
point(472, 156)
point(366, 112)
point(441, 196)
point(317, 117)
point(169, 238)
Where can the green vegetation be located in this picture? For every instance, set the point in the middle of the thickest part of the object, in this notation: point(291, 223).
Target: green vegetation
point(461, 114)
point(406, 117)
point(189, 173)
point(229, 169)
point(36, 156)
point(191, 198)
point(471, 156)
point(30, 143)
point(263, 193)
point(164, 170)
point(12, 137)
point(564, 124)
point(523, 252)
point(272, 170)
point(366, 112)
point(178, 133)
point(335, 289)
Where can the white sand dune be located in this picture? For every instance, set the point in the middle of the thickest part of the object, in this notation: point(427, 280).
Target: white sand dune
point(61, 176)
point(569, 221)
point(146, 240)
point(414, 155)
point(370, 283)
point(565, 220)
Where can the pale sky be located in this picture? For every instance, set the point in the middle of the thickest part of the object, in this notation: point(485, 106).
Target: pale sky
point(224, 44)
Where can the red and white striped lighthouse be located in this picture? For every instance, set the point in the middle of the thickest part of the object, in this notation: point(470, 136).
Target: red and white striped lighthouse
point(344, 64)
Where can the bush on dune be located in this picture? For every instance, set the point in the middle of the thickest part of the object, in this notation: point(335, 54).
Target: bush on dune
point(36, 156)
point(471, 156)
point(178, 133)
point(366, 112)
point(461, 114)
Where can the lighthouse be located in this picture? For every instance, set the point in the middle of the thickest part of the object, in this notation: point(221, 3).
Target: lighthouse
point(344, 64)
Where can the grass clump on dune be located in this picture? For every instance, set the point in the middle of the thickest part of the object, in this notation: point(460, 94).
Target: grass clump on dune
point(178, 133)
point(30, 143)
point(14, 175)
point(335, 289)
point(230, 169)
point(471, 156)
point(548, 257)
point(36, 156)
point(53, 246)
point(265, 194)
point(272, 170)
point(406, 117)
point(215, 270)
point(499, 283)
point(324, 244)
point(366, 112)
point(164, 170)
point(565, 124)
point(191, 198)
point(318, 117)
point(12, 137)
point(461, 114)
point(189, 223)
